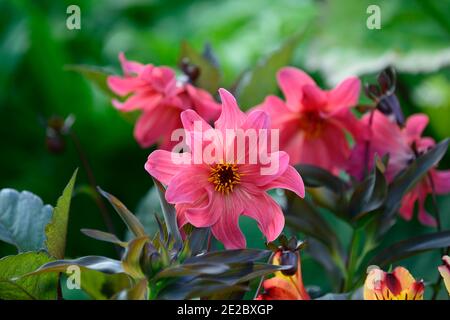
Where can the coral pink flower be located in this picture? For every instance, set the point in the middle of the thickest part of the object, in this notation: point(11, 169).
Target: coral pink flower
point(313, 122)
point(402, 145)
point(217, 193)
point(380, 135)
point(156, 92)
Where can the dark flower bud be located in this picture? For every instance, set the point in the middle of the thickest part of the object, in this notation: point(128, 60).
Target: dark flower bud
point(289, 258)
point(191, 70)
point(384, 96)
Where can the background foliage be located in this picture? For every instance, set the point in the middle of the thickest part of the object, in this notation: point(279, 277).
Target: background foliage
point(251, 40)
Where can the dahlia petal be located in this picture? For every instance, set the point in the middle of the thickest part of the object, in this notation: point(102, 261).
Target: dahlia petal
point(148, 128)
point(231, 116)
point(291, 81)
point(188, 185)
point(142, 100)
point(123, 86)
point(226, 229)
point(205, 213)
point(289, 180)
point(257, 120)
point(424, 217)
point(345, 95)
point(407, 208)
point(441, 181)
point(160, 165)
point(415, 125)
point(130, 67)
point(204, 103)
point(267, 214)
point(314, 98)
point(260, 175)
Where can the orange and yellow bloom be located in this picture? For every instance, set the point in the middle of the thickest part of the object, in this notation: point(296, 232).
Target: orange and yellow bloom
point(444, 270)
point(396, 285)
point(285, 285)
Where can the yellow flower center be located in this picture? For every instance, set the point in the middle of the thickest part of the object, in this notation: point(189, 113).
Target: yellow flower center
point(224, 176)
point(404, 295)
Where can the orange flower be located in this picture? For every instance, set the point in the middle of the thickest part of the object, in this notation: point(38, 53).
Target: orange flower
point(287, 284)
point(396, 285)
point(444, 270)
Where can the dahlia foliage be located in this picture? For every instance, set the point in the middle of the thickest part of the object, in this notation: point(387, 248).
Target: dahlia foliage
point(294, 163)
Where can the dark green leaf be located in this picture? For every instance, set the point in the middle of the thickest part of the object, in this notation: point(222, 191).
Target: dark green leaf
point(97, 263)
point(104, 236)
point(137, 292)
point(231, 256)
point(170, 217)
point(97, 75)
point(129, 218)
point(409, 247)
point(303, 217)
point(132, 258)
point(56, 229)
point(408, 179)
point(314, 177)
point(13, 286)
point(369, 195)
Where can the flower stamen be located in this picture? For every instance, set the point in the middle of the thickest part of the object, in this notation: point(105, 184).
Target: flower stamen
point(224, 176)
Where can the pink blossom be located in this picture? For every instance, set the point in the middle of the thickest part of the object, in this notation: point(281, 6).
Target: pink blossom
point(403, 145)
point(161, 98)
point(216, 194)
point(313, 122)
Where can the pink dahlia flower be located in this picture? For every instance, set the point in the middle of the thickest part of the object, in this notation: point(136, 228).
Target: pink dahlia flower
point(215, 192)
point(403, 145)
point(313, 122)
point(161, 97)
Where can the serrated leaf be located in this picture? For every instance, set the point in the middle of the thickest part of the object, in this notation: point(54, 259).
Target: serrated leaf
point(410, 247)
point(128, 218)
point(56, 229)
point(40, 287)
point(23, 217)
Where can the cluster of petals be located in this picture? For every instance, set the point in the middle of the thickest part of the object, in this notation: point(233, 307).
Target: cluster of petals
point(382, 137)
point(314, 123)
point(161, 97)
point(216, 194)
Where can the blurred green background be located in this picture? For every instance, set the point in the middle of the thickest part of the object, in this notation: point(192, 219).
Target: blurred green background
point(35, 47)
